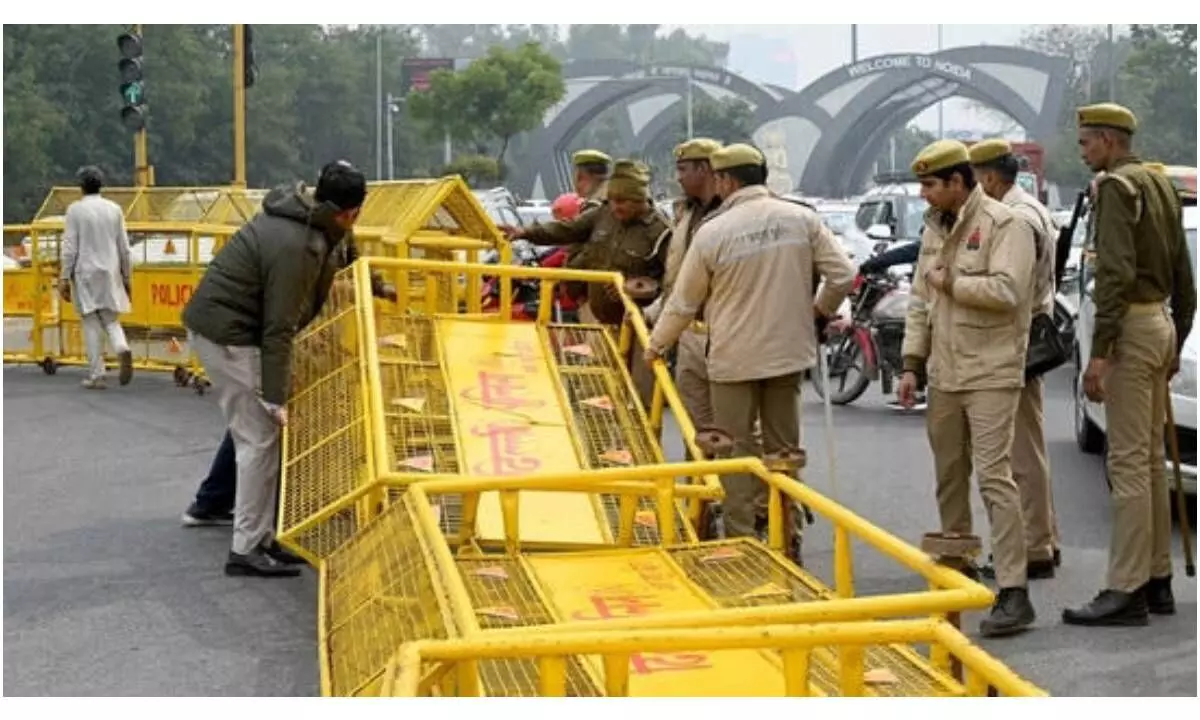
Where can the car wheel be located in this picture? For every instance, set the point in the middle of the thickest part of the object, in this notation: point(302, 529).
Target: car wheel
point(1087, 435)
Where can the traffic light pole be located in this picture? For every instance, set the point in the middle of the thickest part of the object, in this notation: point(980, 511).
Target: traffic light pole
point(143, 174)
point(239, 106)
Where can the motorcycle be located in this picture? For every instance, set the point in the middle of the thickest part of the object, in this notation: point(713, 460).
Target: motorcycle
point(867, 345)
point(525, 292)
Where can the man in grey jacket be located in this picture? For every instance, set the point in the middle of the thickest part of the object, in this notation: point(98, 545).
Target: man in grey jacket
point(241, 321)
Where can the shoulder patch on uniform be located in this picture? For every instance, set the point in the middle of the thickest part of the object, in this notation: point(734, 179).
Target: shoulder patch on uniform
point(1122, 182)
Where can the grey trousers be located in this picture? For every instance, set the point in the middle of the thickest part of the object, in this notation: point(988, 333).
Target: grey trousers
point(236, 375)
point(95, 326)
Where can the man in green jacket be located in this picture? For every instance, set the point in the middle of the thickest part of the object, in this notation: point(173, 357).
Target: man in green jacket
point(269, 279)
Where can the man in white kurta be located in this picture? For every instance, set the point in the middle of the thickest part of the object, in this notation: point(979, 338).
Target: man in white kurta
point(96, 274)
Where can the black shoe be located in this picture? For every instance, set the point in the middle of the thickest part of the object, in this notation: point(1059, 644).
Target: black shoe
point(259, 564)
point(197, 516)
point(125, 374)
point(1034, 569)
point(1012, 613)
point(1159, 598)
point(1057, 557)
point(279, 555)
point(1111, 608)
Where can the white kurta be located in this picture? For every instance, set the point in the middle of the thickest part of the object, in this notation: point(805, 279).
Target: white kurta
point(95, 255)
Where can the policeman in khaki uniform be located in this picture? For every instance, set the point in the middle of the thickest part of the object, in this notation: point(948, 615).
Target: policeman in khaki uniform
point(967, 329)
point(1141, 261)
point(751, 265)
point(996, 170)
point(695, 176)
point(590, 182)
point(626, 234)
point(592, 169)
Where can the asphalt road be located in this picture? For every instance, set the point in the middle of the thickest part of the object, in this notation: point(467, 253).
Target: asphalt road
point(105, 594)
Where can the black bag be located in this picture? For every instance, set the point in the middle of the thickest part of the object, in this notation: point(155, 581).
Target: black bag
point(1047, 350)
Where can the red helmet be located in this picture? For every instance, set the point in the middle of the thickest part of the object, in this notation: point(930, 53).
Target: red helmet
point(566, 206)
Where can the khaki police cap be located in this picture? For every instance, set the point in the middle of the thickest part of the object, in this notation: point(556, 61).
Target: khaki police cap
point(940, 155)
point(696, 149)
point(630, 179)
point(986, 151)
point(1107, 115)
point(736, 155)
point(590, 157)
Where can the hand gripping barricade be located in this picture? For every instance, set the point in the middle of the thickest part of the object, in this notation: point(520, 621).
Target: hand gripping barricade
point(491, 514)
point(173, 233)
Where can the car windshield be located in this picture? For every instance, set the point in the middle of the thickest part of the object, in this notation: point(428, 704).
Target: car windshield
point(914, 217)
point(839, 222)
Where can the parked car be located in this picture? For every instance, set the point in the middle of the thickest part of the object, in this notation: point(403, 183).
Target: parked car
point(893, 210)
point(1089, 417)
point(839, 218)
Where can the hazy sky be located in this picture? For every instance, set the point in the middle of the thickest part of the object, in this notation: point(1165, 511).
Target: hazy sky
point(821, 48)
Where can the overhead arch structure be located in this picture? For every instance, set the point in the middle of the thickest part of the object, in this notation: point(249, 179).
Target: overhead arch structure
point(654, 103)
point(826, 137)
point(822, 140)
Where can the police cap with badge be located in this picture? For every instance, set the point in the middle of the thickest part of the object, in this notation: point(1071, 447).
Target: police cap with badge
point(1108, 116)
point(940, 155)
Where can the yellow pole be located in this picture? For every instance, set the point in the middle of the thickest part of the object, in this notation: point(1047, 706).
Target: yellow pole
point(142, 174)
point(239, 106)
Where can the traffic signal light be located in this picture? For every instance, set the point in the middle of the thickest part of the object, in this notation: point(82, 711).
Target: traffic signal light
point(133, 91)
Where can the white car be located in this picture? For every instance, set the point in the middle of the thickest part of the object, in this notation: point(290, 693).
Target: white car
point(839, 218)
point(1089, 417)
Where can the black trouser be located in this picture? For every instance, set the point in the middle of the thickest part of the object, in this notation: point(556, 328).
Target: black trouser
point(217, 492)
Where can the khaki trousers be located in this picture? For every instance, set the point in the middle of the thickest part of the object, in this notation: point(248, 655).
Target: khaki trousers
point(1031, 471)
point(736, 409)
point(974, 430)
point(236, 374)
point(691, 377)
point(1135, 410)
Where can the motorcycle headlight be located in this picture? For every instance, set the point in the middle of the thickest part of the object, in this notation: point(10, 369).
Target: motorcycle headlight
point(1184, 382)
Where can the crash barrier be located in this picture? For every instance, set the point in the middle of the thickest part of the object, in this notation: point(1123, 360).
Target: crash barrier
point(174, 233)
point(390, 393)
point(800, 661)
point(673, 619)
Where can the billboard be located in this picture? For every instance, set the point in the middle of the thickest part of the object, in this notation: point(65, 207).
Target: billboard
point(415, 72)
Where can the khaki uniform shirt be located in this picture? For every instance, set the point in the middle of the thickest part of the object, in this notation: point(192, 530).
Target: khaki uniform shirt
point(689, 215)
point(752, 265)
point(1141, 252)
point(973, 336)
point(1034, 221)
point(635, 249)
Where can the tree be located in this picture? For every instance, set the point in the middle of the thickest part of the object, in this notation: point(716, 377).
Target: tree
point(494, 98)
point(1160, 76)
point(908, 142)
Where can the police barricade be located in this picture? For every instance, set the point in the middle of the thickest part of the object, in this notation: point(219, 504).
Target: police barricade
point(173, 233)
point(386, 394)
point(689, 618)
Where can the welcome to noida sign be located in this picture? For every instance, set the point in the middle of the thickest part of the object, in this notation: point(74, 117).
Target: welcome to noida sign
point(909, 62)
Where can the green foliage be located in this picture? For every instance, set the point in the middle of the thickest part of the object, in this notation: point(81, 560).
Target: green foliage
point(1160, 80)
point(314, 100)
point(477, 170)
point(497, 96)
point(1155, 72)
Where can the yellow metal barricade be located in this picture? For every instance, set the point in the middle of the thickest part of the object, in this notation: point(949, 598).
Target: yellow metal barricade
point(429, 388)
point(173, 233)
point(652, 663)
point(400, 573)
